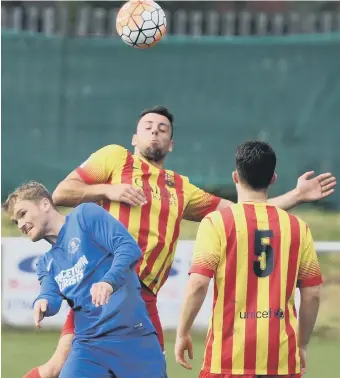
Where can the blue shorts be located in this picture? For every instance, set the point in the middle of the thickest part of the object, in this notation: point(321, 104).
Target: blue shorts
point(140, 357)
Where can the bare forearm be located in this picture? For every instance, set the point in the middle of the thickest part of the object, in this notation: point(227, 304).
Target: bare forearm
point(307, 317)
point(73, 192)
point(193, 301)
point(287, 201)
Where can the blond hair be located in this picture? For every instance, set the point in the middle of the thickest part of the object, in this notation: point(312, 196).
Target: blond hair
point(31, 191)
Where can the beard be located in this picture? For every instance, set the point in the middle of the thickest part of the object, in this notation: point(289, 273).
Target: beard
point(154, 154)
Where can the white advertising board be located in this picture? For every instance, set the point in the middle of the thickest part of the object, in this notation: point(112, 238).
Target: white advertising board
point(20, 285)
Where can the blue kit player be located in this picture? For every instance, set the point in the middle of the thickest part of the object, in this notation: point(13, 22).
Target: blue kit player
point(91, 265)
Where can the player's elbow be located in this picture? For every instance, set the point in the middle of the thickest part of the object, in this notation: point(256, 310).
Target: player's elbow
point(53, 307)
point(138, 255)
point(311, 293)
point(65, 195)
point(199, 283)
point(59, 196)
point(135, 255)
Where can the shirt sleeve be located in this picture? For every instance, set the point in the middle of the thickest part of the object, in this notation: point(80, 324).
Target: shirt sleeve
point(200, 204)
point(99, 167)
point(207, 249)
point(110, 234)
point(49, 288)
point(309, 270)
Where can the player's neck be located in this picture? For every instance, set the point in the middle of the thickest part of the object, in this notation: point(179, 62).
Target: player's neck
point(158, 164)
point(56, 223)
point(246, 195)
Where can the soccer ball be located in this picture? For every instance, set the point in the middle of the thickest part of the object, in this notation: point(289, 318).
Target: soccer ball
point(141, 23)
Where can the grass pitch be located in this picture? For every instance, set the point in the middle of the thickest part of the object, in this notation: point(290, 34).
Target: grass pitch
point(23, 350)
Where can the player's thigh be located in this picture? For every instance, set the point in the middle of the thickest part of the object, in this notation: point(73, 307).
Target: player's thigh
point(139, 358)
point(84, 362)
point(151, 306)
point(154, 317)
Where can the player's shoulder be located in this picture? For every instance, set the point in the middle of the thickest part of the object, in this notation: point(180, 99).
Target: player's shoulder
point(113, 150)
point(89, 213)
point(90, 208)
point(293, 221)
point(298, 222)
point(186, 182)
point(215, 217)
point(292, 217)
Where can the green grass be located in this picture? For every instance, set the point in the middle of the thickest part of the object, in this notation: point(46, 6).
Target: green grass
point(22, 350)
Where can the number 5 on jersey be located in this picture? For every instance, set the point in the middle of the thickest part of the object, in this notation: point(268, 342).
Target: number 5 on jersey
point(264, 264)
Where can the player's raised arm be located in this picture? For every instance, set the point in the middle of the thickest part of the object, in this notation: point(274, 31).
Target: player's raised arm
point(49, 301)
point(308, 189)
point(114, 238)
point(90, 181)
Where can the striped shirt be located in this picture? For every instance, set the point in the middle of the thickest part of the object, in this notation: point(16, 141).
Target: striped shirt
point(155, 225)
point(257, 255)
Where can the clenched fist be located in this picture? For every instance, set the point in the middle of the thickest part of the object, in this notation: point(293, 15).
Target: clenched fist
point(101, 292)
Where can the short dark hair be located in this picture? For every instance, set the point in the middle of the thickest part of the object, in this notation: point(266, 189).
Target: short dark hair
point(255, 164)
point(161, 110)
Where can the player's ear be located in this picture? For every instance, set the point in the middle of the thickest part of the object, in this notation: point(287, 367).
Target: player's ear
point(171, 146)
point(45, 204)
point(134, 140)
point(274, 178)
point(234, 175)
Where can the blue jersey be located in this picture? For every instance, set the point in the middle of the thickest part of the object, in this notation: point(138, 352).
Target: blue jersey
point(92, 246)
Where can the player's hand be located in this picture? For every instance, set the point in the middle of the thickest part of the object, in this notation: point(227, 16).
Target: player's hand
point(184, 343)
point(126, 193)
point(315, 188)
point(40, 307)
point(101, 292)
point(303, 360)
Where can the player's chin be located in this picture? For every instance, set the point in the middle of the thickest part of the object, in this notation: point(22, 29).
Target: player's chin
point(34, 236)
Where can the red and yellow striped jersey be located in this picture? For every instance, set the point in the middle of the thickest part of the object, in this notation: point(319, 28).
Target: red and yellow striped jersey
point(156, 225)
point(257, 255)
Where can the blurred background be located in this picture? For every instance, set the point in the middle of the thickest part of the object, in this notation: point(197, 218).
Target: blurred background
point(228, 70)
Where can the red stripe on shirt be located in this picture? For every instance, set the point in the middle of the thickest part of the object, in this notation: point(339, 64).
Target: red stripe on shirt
point(252, 292)
point(274, 292)
point(291, 277)
point(210, 337)
point(144, 228)
point(126, 178)
point(162, 226)
point(180, 197)
point(229, 291)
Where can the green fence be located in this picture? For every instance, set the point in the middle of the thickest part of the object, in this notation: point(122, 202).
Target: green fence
point(63, 98)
